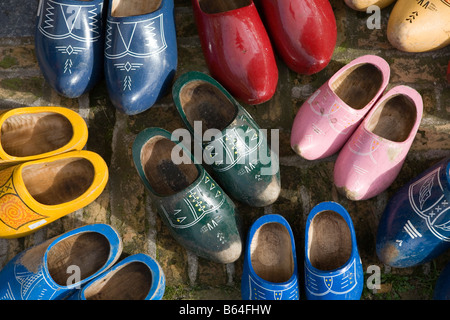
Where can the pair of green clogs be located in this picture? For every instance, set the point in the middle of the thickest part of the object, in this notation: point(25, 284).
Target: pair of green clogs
point(196, 208)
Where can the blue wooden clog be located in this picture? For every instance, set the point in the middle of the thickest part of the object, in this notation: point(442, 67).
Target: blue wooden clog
point(69, 44)
point(270, 262)
point(197, 211)
point(442, 288)
point(140, 53)
point(57, 267)
point(137, 277)
point(333, 269)
point(415, 225)
point(239, 155)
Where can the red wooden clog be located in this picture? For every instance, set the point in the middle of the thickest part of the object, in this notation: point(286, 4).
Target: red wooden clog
point(304, 32)
point(237, 48)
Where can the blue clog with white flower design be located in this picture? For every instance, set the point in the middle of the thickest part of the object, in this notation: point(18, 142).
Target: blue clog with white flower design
point(57, 267)
point(333, 269)
point(270, 262)
point(415, 225)
point(69, 44)
point(136, 277)
point(140, 53)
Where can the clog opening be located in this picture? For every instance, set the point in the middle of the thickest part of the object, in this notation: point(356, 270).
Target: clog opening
point(59, 181)
point(271, 253)
point(358, 85)
point(218, 6)
point(163, 174)
point(201, 101)
point(394, 119)
point(30, 134)
point(131, 282)
point(128, 8)
point(77, 257)
point(330, 241)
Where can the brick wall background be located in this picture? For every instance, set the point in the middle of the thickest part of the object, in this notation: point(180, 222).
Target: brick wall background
point(125, 204)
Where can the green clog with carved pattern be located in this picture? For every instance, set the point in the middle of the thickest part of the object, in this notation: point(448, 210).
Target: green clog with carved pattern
point(234, 146)
point(197, 211)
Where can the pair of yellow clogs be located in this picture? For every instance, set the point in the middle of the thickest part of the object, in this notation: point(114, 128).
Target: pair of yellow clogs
point(44, 173)
point(414, 25)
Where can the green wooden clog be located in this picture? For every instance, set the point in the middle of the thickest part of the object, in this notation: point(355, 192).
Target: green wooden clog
point(233, 144)
point(199, 214)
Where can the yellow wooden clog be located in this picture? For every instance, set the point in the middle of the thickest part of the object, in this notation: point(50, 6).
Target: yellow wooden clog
point(419, 26)
point(31, 133)
point(36, 193)
point(362, 5)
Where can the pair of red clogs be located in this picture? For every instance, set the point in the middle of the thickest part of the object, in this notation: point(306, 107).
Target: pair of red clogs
point(238, 50)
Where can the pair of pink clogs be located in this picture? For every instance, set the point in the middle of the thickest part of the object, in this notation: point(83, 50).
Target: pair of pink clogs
point(372, 130)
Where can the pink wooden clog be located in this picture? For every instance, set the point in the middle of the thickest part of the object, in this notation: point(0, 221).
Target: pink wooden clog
point(372, 158)
point(329, 117)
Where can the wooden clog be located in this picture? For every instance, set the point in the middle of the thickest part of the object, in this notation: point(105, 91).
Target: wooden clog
point(136, 277)
point(415, 225)
point(69, 44)
point(329, 117)
point(362, 5)
point(303, 32)
point(57, 267)
point(237, 48)
point(38, 192)
point(270, 263)
point(373, 156)
point(196, 210)
point(419, 26)
point(241, 159)
point(333, 269)
point(140, 52)
point(32, 133)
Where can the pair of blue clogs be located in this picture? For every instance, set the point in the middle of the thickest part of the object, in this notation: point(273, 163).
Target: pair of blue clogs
point(81, 265)
point(138, 44)
point(333, 269)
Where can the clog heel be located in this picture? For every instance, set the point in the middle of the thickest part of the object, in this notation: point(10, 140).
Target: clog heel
point(270, 263)
point(56, 268)
point(362, 5)
point(32, 133)
point(374, 155)
point(69, 44)
point(333, 269)
point(237, 48)
point(140, 53)
point(329, 117)
point(304, 32)
point(419, 26)
point(238, 152)
point(415, 225)
point(196, 210)
point(136, 277)
point(38, 192)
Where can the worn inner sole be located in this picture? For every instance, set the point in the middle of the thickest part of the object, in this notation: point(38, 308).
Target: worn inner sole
point(201, 101)
point(218, 6)
point(358, 85)
point(271, 253)
point(330, 243)
point(165, 177)
point(59, 181)
point(88, 251)
point(131, 282)
point(394, 119)
point(127, 8)
point(31, 134)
